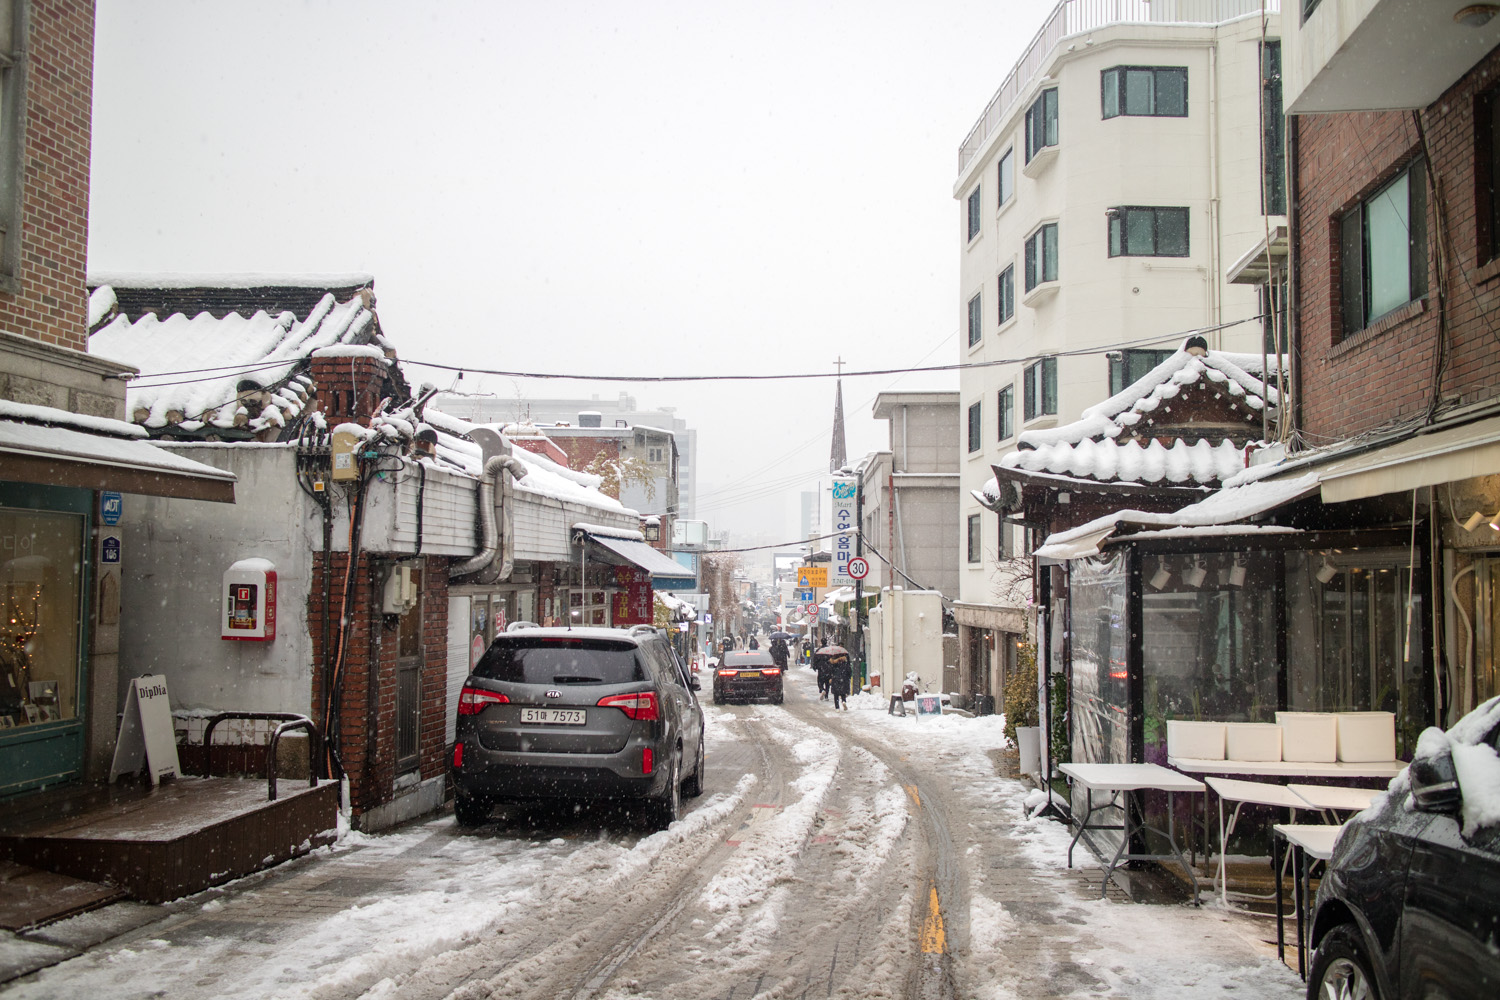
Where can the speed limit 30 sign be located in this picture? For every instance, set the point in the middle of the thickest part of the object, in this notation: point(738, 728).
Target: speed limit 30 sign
point(858, 568)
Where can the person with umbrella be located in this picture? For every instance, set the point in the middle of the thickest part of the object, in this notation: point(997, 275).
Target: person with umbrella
point(779, 652)
point(839, 672)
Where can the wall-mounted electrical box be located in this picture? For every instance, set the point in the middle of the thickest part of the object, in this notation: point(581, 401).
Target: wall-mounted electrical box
point(400, 590)
point(249, 611)
point(342, 446)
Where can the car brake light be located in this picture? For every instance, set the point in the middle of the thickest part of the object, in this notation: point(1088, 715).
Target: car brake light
point(458, 755)
point(640, 706)
point(770, 672)
point(729, 673)
point(471, 700)
point(647, 761)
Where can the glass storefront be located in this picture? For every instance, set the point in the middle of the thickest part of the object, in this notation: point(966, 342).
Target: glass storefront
point(41, 585)
point(1101, 708)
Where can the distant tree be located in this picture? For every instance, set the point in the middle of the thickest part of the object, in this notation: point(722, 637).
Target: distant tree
point(616, 473)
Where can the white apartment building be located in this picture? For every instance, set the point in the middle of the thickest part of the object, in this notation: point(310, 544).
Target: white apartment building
point(1108, 194)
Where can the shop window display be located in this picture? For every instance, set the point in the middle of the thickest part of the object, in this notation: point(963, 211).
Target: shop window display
point(40, 576)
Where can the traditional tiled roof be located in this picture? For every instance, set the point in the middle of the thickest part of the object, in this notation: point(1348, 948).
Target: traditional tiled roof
point(1186, 422)
point(219, 363)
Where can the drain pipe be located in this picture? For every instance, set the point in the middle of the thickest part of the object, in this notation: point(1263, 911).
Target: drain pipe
point(495, 537)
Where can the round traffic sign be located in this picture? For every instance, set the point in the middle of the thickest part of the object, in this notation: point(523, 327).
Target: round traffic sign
point(812, 609)
point(859, 568)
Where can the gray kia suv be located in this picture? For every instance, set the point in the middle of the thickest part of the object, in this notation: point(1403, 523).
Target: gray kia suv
point(580, 714)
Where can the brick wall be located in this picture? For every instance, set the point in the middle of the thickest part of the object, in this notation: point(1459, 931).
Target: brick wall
point(1386, 372)
point(581, 451)
point(367, 726)
point(50, 302)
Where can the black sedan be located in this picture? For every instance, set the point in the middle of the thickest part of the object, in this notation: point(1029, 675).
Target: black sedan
point(1410, 905)
point(747, 675)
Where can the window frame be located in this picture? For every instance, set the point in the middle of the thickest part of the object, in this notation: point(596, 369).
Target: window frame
point(1005, 406)
point(1039, 381)
point(1039, 135)
point(1114, 81)
point(976, 426)
point(975, 223)
point(14, 86)
point(974, 542)
point(1005, 180)
point(976, 318)
point(1036, 250)
point(1119, 368)
point(1005, 292)
point(1117, 229)
point(1353, 225)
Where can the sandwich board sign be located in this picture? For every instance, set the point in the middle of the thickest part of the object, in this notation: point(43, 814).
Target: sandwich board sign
point(929, 705)
point(146, 732)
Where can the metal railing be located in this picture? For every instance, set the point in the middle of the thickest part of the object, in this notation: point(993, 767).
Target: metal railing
point(1071, 17)
point(289, 722)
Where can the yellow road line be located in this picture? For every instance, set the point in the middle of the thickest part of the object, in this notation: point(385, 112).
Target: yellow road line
point(912, 791)
point(934, 941)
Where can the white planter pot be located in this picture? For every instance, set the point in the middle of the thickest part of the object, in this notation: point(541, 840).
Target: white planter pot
point(1029, 741)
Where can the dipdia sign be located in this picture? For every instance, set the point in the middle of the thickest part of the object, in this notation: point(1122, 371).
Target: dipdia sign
point(844, 493)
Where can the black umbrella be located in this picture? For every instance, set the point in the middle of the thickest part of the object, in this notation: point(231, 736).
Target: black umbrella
point(778, 634)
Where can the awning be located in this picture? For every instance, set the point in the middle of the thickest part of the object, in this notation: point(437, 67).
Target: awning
point(63, 456)
point(1228, 506)
point(1446, 456)
point(652, 561)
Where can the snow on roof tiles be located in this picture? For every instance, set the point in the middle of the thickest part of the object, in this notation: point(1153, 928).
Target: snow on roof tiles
point(270, 351)
point(1110, 442)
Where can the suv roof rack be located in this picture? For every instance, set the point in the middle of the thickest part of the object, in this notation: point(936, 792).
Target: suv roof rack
point(518, 626)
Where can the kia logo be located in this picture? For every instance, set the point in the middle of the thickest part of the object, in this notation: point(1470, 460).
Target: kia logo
point(554, 694)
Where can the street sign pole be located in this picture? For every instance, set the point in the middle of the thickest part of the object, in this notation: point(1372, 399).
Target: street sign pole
point(859, 585)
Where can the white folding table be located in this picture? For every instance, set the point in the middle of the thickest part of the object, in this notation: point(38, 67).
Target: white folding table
point(1337, 799)
point(1307, 841)
point(1240, 792)
point(1129, 780)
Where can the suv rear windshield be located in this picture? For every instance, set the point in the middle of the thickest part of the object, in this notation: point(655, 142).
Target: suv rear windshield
point(560, 661)
point(747, 659)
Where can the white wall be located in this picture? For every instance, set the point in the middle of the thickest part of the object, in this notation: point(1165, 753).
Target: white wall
point(175, 555)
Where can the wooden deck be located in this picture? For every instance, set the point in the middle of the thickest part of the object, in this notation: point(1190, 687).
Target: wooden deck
point(179, 838)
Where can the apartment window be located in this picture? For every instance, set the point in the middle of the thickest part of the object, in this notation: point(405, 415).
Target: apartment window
point(655, 454)
point(12, 131)
point(974, 213)
point(1007, 539)
point(1383, 249)
point(1006, 405)
point(1129, 367)
point(1151, 91)
point(1006, 293)
point(1041, 256)
point(976, 320)
point(1005, 181)
point(976, 439)
point(1135, 231)
point(1041, 123)
point(973, 546)
point(1487, 174)
point(1272, 131)
point(1040, 383)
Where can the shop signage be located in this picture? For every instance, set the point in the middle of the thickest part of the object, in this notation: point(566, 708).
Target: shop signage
point(146, 732)
point(845, 492)
point(632, 602)
point(929, 706)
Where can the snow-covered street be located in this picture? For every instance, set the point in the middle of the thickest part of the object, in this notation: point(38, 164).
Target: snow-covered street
point(850, 854)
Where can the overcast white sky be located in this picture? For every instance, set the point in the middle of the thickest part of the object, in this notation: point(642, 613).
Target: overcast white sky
point(602, 188)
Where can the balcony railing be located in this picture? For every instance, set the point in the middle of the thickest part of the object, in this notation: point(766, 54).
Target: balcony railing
point(1071, 17)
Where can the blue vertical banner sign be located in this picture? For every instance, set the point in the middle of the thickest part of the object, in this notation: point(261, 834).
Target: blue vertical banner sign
point(845, 492)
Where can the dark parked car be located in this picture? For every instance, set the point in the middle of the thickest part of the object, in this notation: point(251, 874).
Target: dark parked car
point(747, 675)
point(1410, 904)
point(583, 714)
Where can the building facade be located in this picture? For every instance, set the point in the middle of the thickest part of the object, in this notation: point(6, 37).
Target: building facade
point(1116, 176)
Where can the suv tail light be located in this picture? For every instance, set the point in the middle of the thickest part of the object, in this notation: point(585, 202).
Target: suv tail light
point(729, 673)
point(640, 706)
point(770, 671)
point(471, 700)
point(458, 755)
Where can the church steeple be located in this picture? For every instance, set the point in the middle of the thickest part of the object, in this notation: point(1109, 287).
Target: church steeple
point(838, 456)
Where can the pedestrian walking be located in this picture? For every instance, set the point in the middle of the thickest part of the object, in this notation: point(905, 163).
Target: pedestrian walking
point(840, 673)
point(779, 653)
point(754, 642)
